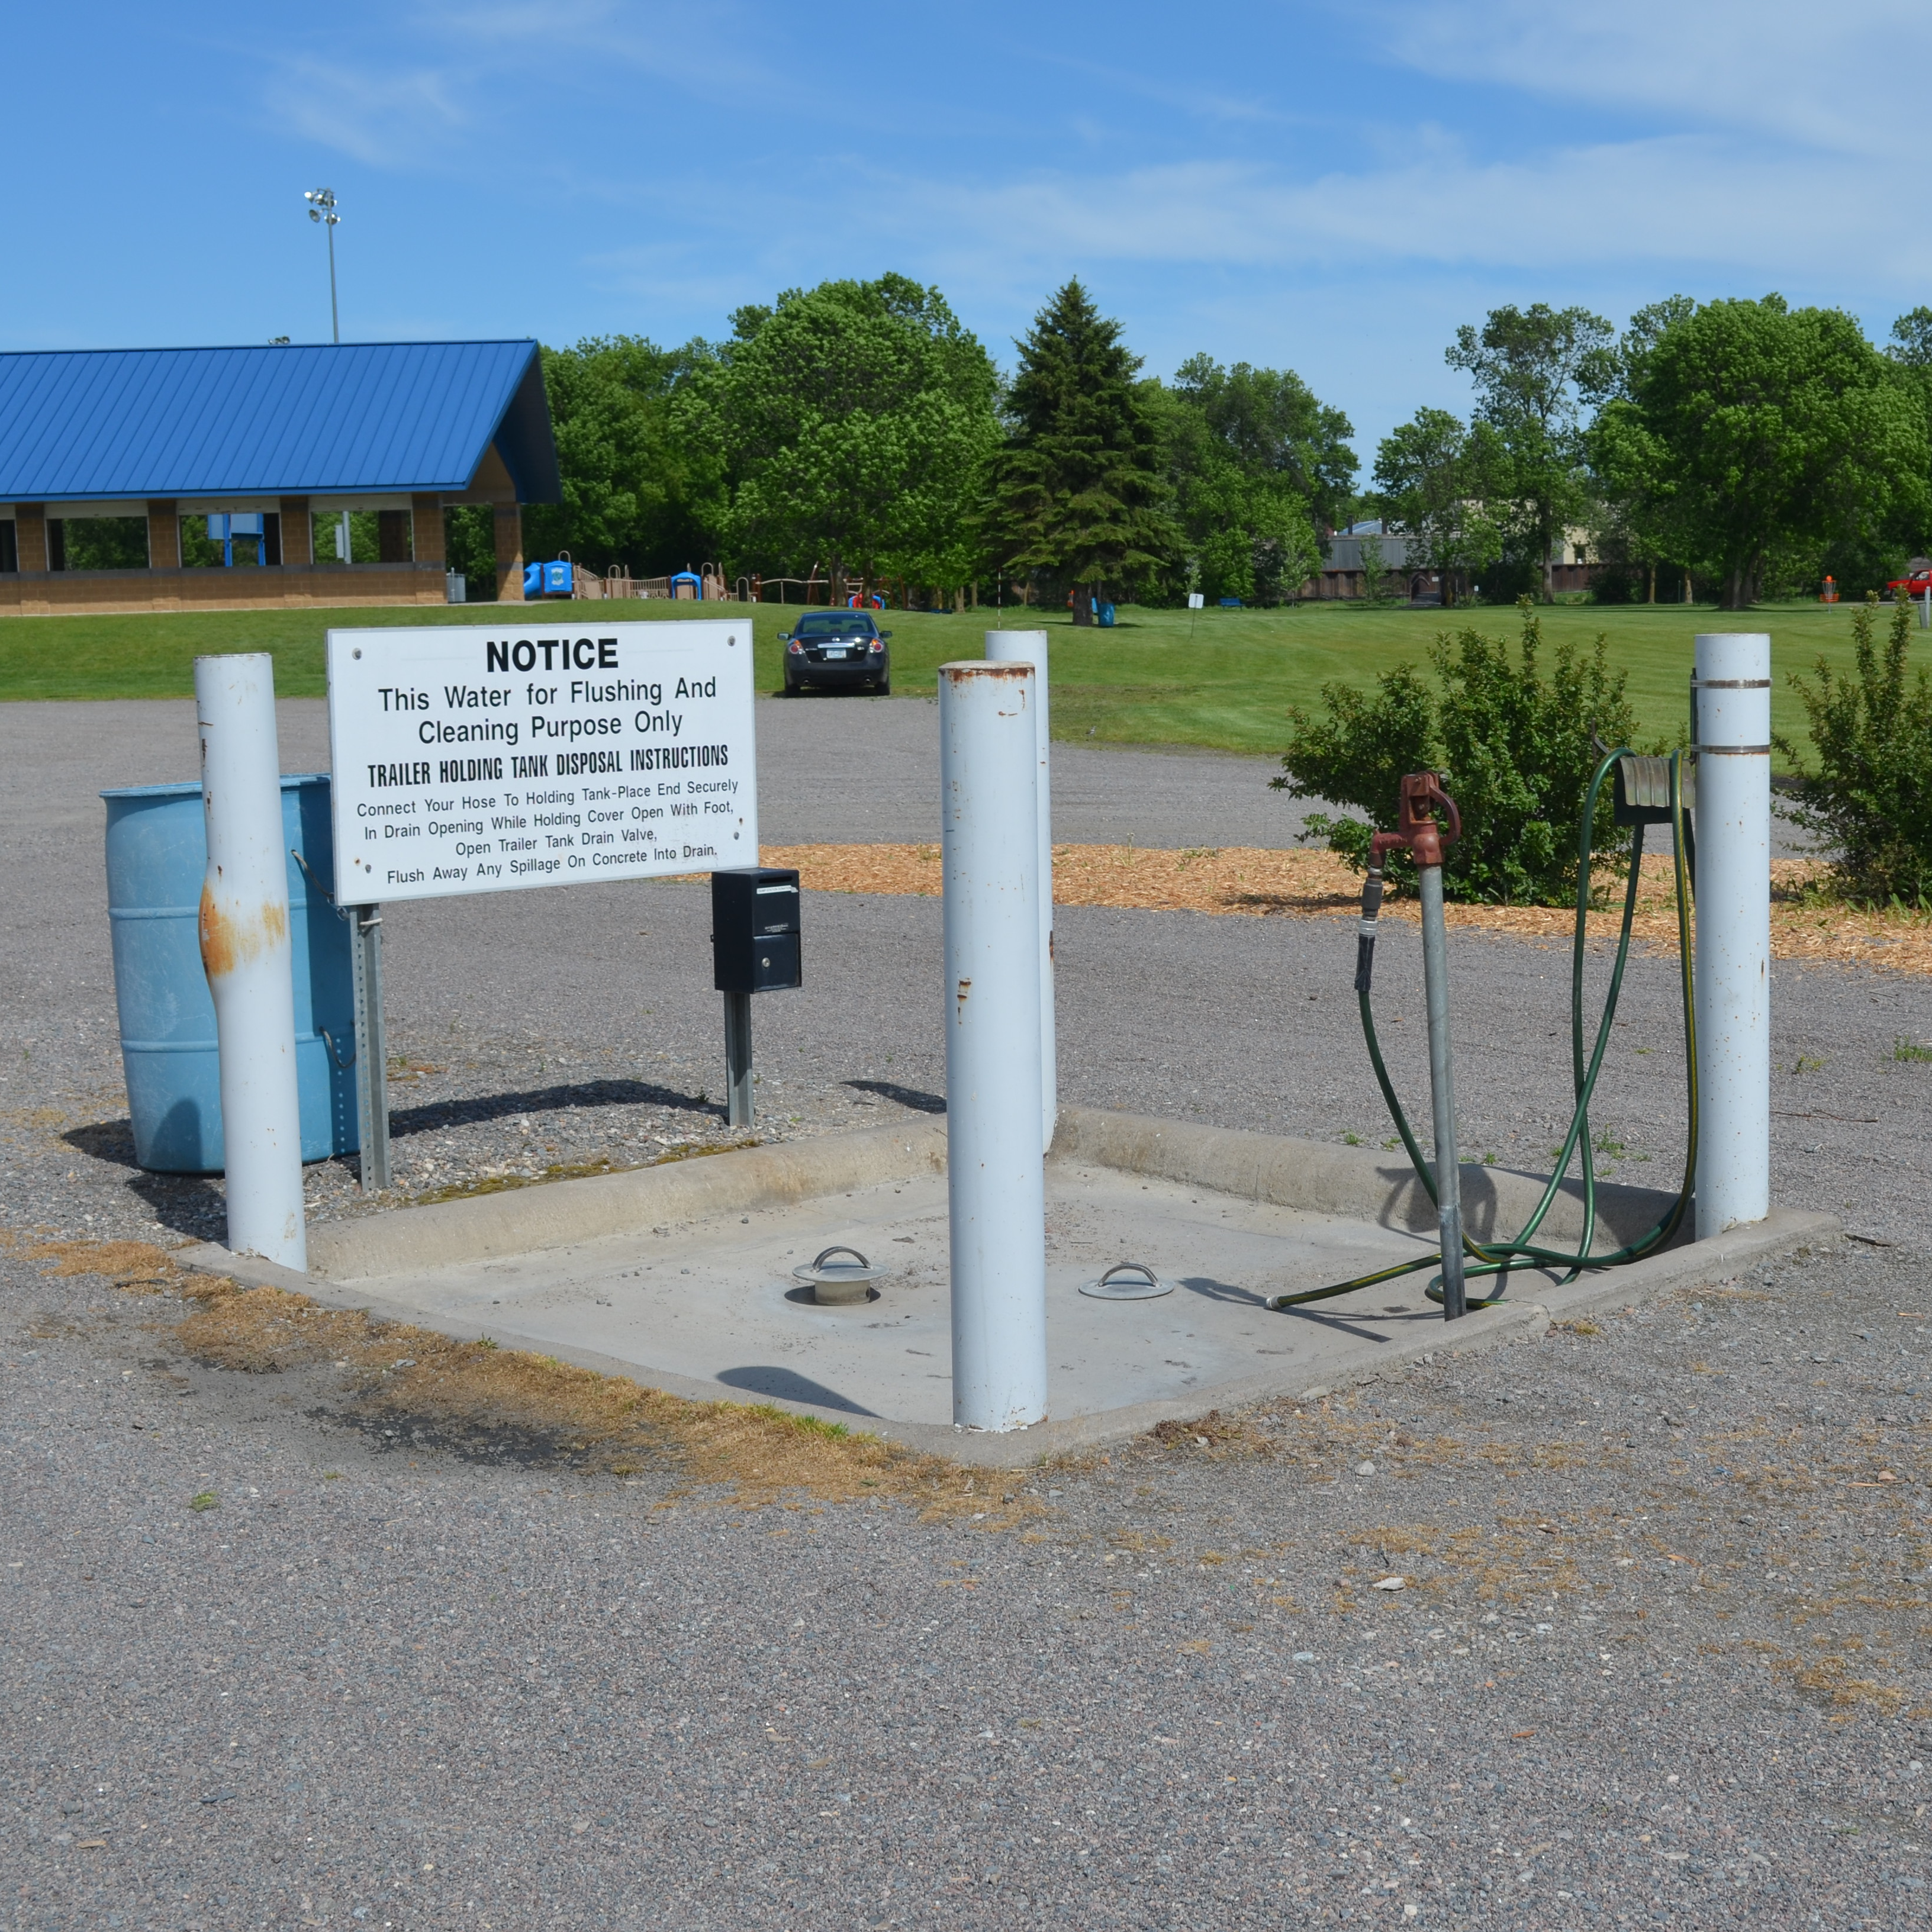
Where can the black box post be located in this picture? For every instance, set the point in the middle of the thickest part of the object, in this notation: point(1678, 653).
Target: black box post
point(755, 948)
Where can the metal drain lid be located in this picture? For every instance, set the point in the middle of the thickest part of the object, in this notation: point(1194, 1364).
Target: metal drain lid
point(833, 1281)
point(1127, 1281)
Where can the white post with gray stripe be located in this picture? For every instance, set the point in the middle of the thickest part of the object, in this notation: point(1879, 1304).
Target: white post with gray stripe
point(1029, 647)
point(1732, 687)
point(996, 1185)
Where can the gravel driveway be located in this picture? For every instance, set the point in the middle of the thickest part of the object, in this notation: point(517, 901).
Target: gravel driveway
point(1660, 1652)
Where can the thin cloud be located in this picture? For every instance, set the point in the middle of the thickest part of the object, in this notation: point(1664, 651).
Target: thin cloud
point(383, 119)
point(1773, 67)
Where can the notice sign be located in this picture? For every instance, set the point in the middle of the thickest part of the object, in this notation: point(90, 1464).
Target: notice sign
point(539, 750)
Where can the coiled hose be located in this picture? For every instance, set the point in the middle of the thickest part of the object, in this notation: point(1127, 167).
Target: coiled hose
point(1497, 1258)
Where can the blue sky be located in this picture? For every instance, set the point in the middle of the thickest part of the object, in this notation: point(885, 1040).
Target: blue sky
point(1330, 189)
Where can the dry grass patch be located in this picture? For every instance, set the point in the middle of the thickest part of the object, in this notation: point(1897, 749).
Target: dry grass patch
point(138, 1267)
point(477, 1399)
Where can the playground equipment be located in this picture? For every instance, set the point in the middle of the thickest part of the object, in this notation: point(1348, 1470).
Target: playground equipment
point(550, 580)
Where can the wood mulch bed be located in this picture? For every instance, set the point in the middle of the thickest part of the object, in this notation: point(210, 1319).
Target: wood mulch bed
point(1260, 883)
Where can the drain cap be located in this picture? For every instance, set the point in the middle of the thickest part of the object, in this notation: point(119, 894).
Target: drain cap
point(1127, 1281)
point(833, 1281)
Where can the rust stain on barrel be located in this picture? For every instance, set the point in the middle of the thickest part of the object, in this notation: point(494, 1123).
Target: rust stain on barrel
point(1010, 673)
point(226, 943)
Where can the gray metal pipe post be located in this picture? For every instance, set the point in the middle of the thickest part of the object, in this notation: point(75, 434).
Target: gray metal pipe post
point(738, 1059)
point(372, 1051)
point(1442, 1092)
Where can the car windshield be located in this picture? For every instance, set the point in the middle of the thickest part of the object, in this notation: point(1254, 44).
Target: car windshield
point(835, 624)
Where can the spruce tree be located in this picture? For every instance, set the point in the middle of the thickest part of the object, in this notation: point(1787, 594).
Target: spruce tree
point(1076, 487)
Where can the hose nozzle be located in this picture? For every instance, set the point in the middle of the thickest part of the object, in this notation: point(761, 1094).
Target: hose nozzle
point(1365, 943)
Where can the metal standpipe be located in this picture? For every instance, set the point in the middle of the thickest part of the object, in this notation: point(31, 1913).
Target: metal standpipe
point(1732, 987)
point(1442, 1091)
point(738, 1059)
point(989, 767)
point(1029, 647)
point(372, 1051)
point(1420, 798)
point(245, 953)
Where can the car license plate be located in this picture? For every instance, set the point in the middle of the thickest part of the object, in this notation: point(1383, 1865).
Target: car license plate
point(835, 654)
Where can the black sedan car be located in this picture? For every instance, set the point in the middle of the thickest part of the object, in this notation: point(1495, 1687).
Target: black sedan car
point(837, 650)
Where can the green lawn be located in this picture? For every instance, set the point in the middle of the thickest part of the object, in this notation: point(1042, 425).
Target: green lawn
point(1221, 678)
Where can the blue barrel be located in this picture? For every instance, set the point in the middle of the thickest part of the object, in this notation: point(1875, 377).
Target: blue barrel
point(157, 855)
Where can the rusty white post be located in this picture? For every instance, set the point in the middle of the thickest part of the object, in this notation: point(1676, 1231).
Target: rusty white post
point(244, 951)
point(995, 1184)
point(1733, 984)
point(1029, 647)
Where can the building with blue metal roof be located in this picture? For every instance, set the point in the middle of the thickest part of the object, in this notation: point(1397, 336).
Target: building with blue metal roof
point(278, 445)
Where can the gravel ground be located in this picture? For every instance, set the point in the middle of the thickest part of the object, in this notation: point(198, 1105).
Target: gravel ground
point(1661, 1653)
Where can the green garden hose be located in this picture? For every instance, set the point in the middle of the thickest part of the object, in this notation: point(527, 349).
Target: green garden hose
point(1499, 1258)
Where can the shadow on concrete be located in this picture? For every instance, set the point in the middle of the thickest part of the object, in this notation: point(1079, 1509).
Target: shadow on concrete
point(919, 1102)
point(435, 1114)
point(1342, 1324)
point(1209, 1289)
point(788, 1386)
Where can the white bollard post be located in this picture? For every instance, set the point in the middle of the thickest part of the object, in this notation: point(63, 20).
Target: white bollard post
point(995, 1182)
point(244, 951)
point(1029, 647)
point(1733, 993)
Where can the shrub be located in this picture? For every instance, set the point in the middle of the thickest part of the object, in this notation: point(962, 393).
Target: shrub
point(1514, 749)
point(1871, 796)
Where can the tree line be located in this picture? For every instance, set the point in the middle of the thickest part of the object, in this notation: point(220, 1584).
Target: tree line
point(1733, 448)
point(858, 430)
point(1738, 448)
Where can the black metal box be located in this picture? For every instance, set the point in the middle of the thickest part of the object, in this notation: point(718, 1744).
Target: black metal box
point(755, 930)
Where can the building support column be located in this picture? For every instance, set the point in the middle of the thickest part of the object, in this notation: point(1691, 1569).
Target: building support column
point(392, 536)
point(30, 535)
point(164, 550)
point(298, 533)
point(508, 520)
point(426, 530)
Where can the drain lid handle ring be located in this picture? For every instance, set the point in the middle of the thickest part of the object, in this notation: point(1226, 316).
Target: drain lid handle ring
point(825, 1254)
point(1129, 1267)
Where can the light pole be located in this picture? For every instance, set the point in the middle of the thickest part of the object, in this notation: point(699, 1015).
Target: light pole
point(321, 207)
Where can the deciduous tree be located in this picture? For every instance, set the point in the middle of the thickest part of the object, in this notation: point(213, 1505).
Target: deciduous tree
point(636, 490)
point(1530, 368)
point(850, 421)
point(1750, 425)
point(1442, 483)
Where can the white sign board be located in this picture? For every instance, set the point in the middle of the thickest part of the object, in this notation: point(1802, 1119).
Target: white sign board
point(540, 749)
point(1195, 599)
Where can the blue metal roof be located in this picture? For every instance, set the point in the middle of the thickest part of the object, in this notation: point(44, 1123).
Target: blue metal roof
point(271, 420)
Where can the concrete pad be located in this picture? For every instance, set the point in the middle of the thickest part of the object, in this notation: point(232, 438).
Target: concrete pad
point(716, 1300)
point(682, 1276)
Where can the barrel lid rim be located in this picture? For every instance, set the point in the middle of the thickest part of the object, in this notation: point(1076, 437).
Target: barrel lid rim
point(182, 788)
